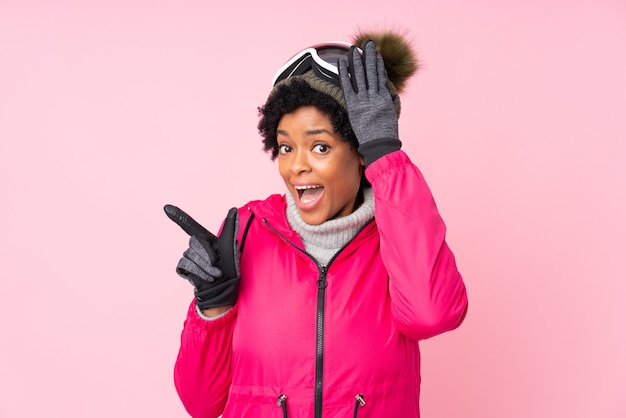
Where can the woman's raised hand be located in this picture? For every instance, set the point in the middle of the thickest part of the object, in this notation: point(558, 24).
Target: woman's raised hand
point(371, 108)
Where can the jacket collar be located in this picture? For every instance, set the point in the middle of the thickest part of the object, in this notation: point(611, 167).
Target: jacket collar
point(273, 211)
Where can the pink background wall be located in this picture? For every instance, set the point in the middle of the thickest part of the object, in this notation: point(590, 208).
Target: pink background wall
point(110, 109)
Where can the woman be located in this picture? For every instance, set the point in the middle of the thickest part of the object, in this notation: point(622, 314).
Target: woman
point(311, 304)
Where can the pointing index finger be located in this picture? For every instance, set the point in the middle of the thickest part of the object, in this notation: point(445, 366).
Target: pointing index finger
point(187, 223)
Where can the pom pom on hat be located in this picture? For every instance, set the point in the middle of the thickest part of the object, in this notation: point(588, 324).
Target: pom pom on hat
point(400, 59)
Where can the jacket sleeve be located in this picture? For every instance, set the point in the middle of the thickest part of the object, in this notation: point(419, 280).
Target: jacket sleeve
point(202, 371)
point(427, 293)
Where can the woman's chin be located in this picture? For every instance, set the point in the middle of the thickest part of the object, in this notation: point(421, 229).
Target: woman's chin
point(312, 218)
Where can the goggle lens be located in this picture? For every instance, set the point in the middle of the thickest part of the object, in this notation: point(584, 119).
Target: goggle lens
point(332, 54)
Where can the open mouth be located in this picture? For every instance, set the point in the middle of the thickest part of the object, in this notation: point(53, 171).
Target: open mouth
point(308, 194)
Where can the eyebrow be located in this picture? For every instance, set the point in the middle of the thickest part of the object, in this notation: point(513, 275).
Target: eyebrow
point(307, 133)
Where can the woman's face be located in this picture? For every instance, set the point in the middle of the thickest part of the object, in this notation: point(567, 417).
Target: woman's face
point(321, 171)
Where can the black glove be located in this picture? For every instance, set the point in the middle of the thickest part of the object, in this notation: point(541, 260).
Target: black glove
point(210, 263)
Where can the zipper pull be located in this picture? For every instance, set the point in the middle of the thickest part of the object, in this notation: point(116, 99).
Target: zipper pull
point(360, 401)
point(321, 282)
point(282, 401)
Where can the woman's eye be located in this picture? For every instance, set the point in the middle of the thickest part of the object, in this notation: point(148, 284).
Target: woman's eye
point(284, 149)
point(321, 148)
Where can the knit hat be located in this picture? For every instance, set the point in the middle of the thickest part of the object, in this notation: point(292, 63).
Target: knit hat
point(400, 64)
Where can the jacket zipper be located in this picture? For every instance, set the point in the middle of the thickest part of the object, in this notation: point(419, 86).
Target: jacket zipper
point(322, 283)
point(319, 351)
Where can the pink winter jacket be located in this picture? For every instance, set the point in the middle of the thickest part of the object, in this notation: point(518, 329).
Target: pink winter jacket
point(307, 341)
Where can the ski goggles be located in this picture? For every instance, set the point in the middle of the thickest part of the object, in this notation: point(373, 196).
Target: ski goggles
point(321, 58)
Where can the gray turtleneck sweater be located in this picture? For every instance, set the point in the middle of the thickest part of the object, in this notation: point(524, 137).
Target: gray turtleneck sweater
point(325, 240)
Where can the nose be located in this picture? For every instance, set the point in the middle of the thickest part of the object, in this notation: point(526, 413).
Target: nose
point(300, 162)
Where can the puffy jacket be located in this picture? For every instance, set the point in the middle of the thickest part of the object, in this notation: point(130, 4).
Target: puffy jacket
point(339, 341)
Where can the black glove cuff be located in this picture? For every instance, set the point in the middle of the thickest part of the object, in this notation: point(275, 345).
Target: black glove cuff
point(223, 293)
point(373, 150)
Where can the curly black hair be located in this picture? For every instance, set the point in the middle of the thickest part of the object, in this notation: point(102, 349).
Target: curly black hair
point(290, 96)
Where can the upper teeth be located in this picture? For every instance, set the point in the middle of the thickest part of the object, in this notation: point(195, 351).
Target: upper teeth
point(306, 187)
